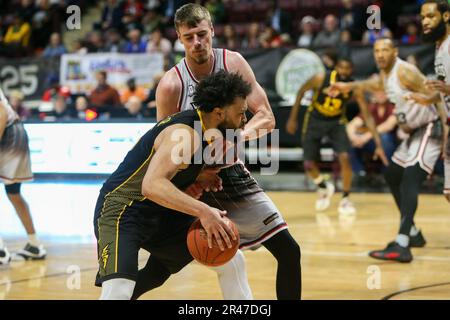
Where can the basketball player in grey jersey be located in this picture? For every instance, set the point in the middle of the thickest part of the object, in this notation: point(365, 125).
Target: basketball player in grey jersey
point(436, 28)
point(415, 158)
point(15, 167)
point(237, 192)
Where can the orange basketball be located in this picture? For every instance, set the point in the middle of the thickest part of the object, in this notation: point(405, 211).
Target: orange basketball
point(197, 243)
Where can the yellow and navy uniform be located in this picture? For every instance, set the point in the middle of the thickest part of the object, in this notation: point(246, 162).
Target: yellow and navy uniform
point(325, 117)
point(327, 107)
point(126, 221)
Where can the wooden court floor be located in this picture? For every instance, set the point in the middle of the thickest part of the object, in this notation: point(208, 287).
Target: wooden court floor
point(335, 264)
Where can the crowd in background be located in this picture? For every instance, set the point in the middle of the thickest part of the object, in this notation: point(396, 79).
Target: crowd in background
point(35, 27)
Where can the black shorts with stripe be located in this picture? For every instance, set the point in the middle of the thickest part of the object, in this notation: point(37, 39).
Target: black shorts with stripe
point(122, 229)
point(315, 129)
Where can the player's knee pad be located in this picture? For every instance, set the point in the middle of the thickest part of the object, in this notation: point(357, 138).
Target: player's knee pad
point(13, 188)
point(117, 289)
point(236, 264)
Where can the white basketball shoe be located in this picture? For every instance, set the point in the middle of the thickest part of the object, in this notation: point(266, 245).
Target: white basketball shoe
point(325, 194)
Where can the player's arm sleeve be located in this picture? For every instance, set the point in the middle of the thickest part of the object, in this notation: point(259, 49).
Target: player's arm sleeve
point(168, 95)
point(173, 148)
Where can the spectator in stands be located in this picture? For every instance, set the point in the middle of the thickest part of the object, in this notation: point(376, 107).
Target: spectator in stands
point(270, 38)
point(113, 41)
point(352, 18)
point(133, 11)
point(26, 9)
point(82, 110)
point(151, 21)
point(361, 138)
point(370, 36)
point(412, 34)
point(55, 48)
point(57, 14)
point(60, 109)
point(169, 7)
point(150, 101)
point(41, 25)
point(79, 47)
point(329, 36)
point(158, 43)
point(306, 37)
point(132, 90)
point(17, 38)
point(279, 19)
point(54, 89)
point(112, 15)
point(344, 48)
point(152, 5)
point(252, 38)
point(16, 101)
point(134, 108)
point(135, 44)
point(95, 42)
point(217, 11)
point(104, 97)
point(229, 39)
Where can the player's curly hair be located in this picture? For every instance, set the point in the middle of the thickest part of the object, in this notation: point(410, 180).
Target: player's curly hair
point(219, 90)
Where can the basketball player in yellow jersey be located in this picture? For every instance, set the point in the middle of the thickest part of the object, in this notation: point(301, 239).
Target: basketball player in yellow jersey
point(326, 117)
point(258, 220)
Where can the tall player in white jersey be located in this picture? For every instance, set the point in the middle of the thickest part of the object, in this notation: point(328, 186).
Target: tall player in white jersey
point(236, 191)
point(416, 156)
point(15, 167)
point(436, 28)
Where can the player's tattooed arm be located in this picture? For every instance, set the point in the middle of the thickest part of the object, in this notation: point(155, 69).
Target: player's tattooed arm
point(263, 120)
point(168, 95)
point(370, 123)
point(413, 80)
point(312, 84)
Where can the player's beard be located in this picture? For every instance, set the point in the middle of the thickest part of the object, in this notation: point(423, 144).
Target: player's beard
point(436, 33)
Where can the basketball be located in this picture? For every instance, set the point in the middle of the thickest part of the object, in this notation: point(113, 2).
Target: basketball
point(197, 242)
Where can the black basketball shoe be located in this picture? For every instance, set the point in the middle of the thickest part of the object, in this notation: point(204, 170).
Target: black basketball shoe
point(393, 252)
